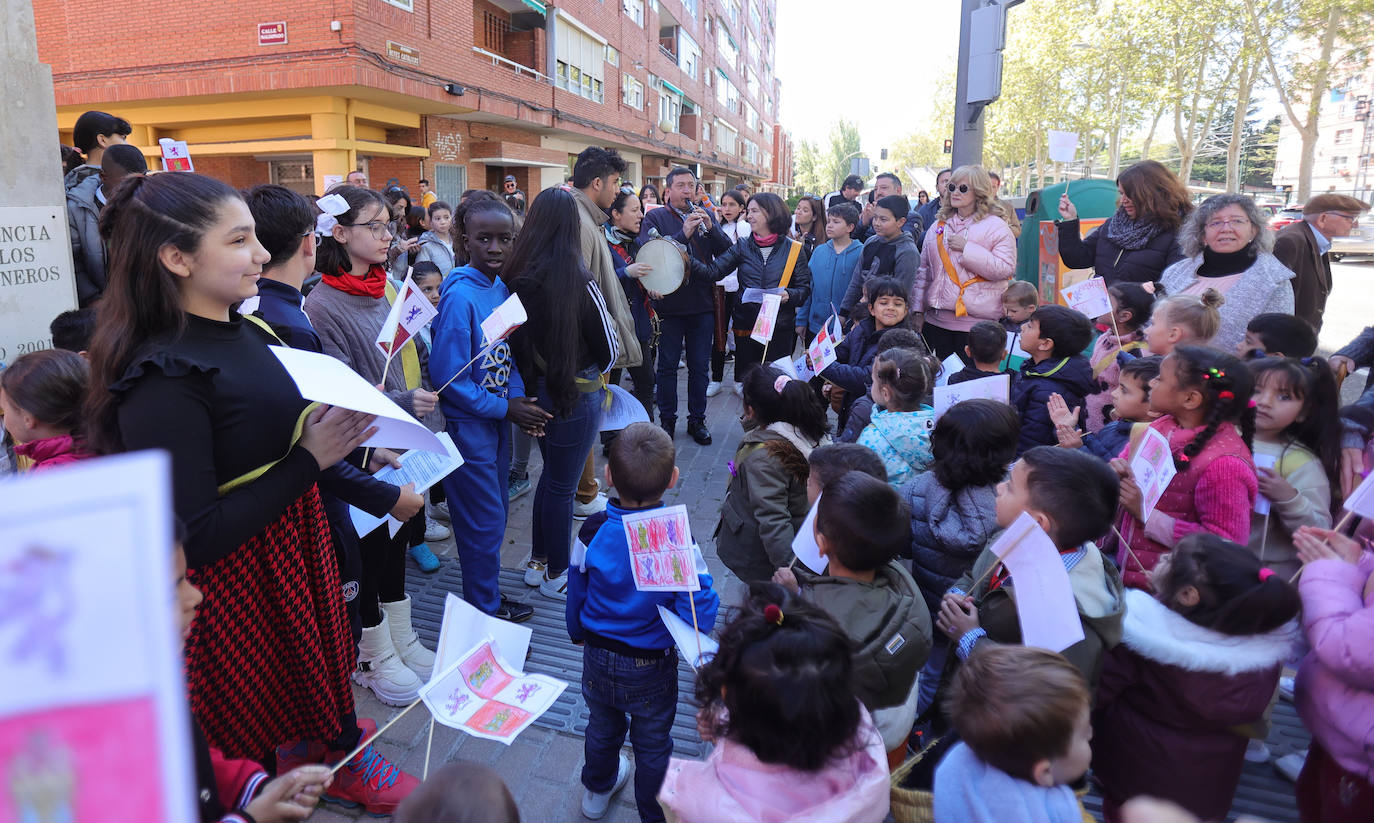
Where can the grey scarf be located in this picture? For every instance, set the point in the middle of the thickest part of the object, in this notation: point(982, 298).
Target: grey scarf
point(1130, 234)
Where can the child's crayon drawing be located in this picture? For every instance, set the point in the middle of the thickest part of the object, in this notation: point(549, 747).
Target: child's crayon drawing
point(498, 720)
point(662, 556)
point(483, 674)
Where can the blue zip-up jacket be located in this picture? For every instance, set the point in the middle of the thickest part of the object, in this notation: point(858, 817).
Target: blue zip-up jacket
point(602, 597)
point(1108, 443)
point(466, 298)
point(830, 275)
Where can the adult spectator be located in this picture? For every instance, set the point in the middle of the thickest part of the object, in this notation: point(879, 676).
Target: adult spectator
point(850, 189)
point(427, 194)
point(922, 198)
point(94, 132)
point(1226, 243)
point(1305, 248)
point(648, 197)
point(927, 212)
point(968, 257)
point(888, 184)
point(515, 199)
point(1004, 210)
point(686, 316)
point(357, 178)
point(85, 201)
point(726, 292)
point(1139, 241)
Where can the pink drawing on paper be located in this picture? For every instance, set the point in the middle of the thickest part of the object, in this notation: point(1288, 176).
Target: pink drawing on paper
point(498, 719)
point(483, 674)
point(661, 551)
point(525, 692)
point(36, 605)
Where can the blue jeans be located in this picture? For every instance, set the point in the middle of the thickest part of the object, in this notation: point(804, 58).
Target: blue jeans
point(615, 686)
point(932, 672)
point(696, 331)
point(565, 445)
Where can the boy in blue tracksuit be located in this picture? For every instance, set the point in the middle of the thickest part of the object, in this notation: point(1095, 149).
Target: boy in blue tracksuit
point(629, 662)
point(480, 405)
point(832, 266)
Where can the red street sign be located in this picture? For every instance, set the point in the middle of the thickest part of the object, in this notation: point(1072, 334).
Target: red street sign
point(272, 34)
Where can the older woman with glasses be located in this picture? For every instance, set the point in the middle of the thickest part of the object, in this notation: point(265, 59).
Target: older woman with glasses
point(1227, 242)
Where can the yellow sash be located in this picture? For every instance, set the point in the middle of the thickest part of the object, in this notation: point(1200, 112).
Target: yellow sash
point(792, 254)
point(410, 356)
point(959, 309)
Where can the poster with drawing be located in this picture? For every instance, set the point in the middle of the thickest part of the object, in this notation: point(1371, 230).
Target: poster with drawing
point(767, 319)
point(1153, 469)
point(482, 695)
point(822, 349)
point(93, 716)
point(661, 555)
point(1088, 297)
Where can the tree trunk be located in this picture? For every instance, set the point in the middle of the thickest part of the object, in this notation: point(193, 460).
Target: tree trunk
point(1234, 147)
point(1150, 135)
point(1321, 74)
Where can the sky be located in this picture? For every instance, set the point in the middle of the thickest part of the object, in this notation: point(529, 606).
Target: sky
point(862, 60)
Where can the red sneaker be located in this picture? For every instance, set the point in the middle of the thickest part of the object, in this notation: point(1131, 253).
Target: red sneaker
point(371, 781)
point(307, 753)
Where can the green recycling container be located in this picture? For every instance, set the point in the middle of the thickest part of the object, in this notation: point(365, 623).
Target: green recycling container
point(1037, 252)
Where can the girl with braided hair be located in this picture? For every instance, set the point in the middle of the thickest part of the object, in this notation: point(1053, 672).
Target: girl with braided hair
point(1203, 398)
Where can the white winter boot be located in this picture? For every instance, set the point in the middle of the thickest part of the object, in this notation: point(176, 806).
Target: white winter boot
point(416, 657)
point(380, 668)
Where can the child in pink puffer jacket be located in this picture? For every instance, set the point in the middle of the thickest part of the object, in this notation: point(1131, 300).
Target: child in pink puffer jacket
point(1335, 687)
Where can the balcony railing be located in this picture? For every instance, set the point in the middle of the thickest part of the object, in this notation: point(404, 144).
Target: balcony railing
point(519, 68)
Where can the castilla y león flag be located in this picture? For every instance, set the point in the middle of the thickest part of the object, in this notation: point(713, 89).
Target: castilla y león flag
point(410, 311)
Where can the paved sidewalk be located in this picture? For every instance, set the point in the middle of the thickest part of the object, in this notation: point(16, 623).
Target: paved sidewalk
point(542, 767)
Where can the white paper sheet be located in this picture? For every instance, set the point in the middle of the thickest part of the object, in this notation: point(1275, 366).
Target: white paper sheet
point(1088, 297)
point(804, 543)
point(1263, 461)
point(323, 379)
point(1361, 500)
point(465, 625)
point(1063, 146)
point(1045, 605)
point(997, 387)
point(688, 639)
point(951, 366)
point(424, 469)
point(624, 410)
point(504, 319)
point(756, 295)
point(1153, 467)
point(482, 695)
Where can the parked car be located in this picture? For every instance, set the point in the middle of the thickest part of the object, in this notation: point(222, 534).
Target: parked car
point(1285, 217)
point(1360, 241)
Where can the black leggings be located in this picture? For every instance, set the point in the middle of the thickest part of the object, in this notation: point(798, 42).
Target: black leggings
point(384, 570)
point(944, 342)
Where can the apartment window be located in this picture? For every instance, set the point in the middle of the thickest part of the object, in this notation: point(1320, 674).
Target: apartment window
point(755, 15)
point(706, 133)
point(726, 139)
point(732, 11)
point(1344, 136)
point(1339, 163)
point(749, 151)
point(688, 54)
point(726, 93)
point(612, 56)
point(751, 117)
point(408, 5)
point(631, 92)
point(751, 81)
point(690, 6)
point(634, 9)
point(669, 109)
point(751, 48)
point(726, 48)
point(495, 29)
point(581, 57)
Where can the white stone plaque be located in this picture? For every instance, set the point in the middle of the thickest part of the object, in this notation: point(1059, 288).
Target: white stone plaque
point(36, 282)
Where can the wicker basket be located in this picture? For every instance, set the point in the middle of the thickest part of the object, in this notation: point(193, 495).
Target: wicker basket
point(912, 805)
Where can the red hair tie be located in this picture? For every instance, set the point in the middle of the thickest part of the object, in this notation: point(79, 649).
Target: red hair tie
point(1265, 574)
point(773, 614)
point(1227, 395)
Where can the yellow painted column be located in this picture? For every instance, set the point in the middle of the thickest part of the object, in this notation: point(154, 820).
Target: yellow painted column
point(332, 126)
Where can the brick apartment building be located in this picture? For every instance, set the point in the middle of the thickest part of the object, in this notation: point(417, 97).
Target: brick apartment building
point(463, 93)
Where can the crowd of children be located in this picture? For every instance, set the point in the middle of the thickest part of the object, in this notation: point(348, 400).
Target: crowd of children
point(910, 640)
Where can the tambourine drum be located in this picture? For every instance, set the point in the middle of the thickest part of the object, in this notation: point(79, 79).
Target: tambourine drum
point(669, 265)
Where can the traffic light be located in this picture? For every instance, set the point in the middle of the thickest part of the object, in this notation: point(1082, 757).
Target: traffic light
point(949, 146)
point(882, 155)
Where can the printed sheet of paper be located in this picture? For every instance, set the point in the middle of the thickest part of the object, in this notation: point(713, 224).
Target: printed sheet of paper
point(1263, 461)
point(1088, 297)
point(756, 295)
point(767, 319)
point(465, 626)
point(482, 695)
point(1153, 468)
point(688, 639)
point(424, 469)
point(1361, 500)
point(997, 387)
point(93, 715)
point(804, 543)
point(797, 368)
point(624, 410)
point(951, 366)
point(661, 554)
point(1063, 146)
point(323, 379)
point(1045, 605)
point(504, 319)
point(822, 349)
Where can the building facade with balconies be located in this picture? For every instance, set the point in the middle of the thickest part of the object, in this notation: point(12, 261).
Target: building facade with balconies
point(462, 93)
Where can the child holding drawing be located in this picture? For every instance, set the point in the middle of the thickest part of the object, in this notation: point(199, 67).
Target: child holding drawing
point(1198, 659)
point(628, 650)
point(348, 309)
point(480, 404)
point(1071, 496)
point(1203, 395)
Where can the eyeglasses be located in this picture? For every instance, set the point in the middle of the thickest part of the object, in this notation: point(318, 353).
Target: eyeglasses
point(962, 188)
point(1218, 225)
point(1353, 218)
point(380, 230)
point(510, 184)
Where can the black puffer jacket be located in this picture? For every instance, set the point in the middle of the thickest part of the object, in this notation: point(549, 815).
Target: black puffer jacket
point(746, 259)
point(1113, 263)
point(1070, 377)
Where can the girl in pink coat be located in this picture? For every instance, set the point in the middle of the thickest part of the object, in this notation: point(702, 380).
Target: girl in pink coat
point(1335, 686)
point(793, 743)
point(968, 258)
point(41, 395)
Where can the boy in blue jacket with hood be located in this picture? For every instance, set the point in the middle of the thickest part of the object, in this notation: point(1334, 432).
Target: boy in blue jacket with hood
point(832, 265)
point(629, 662)
point(479, 406)
point(1055, 337)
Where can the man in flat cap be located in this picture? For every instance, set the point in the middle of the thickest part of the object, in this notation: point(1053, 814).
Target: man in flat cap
point(1305, 247)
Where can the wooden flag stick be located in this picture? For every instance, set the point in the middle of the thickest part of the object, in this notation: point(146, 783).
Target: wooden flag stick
point(1345, 521)
point(363, 744)
point(429, 747)
point(693, 601)
point(466, 366)
point(1128, 549)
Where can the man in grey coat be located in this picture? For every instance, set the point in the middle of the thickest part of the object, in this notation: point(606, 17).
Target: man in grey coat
point(85, 201)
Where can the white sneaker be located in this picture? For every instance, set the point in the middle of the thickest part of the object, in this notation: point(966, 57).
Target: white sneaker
point(435, 531)
point(1286, 688)
point(404, 640)
point(713, 388)
point(534, 572)
point(382, 670)
point(596, 505)
point(1256, 752)
point(736, 388)
point(555, 588)
point(439, 511)
point(1290, 765)
point(596, 804)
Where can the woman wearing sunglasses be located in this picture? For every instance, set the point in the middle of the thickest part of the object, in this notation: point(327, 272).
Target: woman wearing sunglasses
point(967, 259)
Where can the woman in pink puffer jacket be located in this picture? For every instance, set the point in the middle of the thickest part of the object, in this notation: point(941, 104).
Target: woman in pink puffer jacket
point(1335, 687)
point(968, 258)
